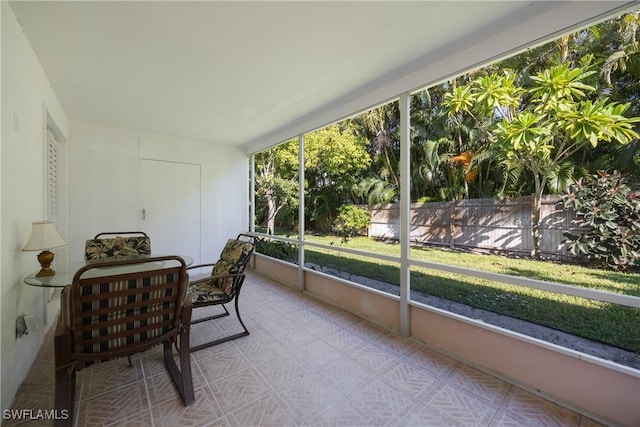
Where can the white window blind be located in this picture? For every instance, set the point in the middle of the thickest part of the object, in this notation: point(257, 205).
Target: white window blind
point(52, 177)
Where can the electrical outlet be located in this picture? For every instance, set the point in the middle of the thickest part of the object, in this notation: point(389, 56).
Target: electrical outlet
point(16, 121)
point(30, 320)
point(25, 324)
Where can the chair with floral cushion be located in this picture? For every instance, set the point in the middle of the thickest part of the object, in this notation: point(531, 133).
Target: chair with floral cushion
point(224, 284)
point(118, 308)
point(122, 244)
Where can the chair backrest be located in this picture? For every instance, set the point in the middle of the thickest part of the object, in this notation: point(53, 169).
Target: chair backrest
point(122, 244)
point(121, 307)
point(246, 238)
point(234, 257)
point(120, 233)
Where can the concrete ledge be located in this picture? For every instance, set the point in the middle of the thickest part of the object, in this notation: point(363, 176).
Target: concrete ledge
point(600, 389)
point(374, 306)
point(276, 269)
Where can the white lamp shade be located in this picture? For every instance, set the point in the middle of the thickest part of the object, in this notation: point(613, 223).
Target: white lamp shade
point(43, 236)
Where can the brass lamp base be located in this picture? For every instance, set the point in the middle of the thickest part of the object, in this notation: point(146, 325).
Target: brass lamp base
point(45, 258)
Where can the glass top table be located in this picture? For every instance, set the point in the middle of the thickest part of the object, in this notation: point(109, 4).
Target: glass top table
point(64, 273)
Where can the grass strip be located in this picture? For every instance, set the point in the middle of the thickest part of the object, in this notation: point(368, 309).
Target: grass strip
point(599, 321)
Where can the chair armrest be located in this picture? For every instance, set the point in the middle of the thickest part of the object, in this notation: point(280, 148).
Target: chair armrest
point(229, 283)
point(200, 275)
point(218, 276)
point(198, 281)
point(224, 276)
point(200, 265)
point(187, 308)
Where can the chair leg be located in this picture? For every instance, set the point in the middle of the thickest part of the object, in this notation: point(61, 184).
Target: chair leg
point(182, 377)
point(240, 318)
point(65, 378)
point(65, 381)
point(185, 364)
point(215, 316)
point(230, 337)
point(204, 319)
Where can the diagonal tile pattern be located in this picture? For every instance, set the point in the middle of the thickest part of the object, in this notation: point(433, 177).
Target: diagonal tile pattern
point(305, 363)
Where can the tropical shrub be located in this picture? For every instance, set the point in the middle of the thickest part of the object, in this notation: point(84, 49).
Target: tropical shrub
point(351, 221)
point(277, 249)
point(611, 211)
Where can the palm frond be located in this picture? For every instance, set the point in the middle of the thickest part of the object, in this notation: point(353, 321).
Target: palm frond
point(561, 177)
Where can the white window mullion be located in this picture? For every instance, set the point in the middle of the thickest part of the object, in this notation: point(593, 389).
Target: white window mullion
point(405, 214)
point(301, 224)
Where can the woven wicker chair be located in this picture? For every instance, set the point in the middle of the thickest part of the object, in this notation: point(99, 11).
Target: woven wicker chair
point(224, 284)
point(118, 308)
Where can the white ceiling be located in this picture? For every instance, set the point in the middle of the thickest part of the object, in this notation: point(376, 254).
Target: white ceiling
point(257, 73)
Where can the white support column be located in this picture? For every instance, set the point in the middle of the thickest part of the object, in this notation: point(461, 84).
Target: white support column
point(405, 204)
point(252, 193)
point(301, 224)
point(252, 200)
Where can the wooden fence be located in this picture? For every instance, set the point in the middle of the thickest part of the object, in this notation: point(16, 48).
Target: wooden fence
point(484, 224)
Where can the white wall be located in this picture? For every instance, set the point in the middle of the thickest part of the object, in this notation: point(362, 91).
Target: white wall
point(103, 190)
point(104, 175)
point(27, 98)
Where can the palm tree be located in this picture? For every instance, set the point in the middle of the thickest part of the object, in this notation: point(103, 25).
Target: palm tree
point(626, 54)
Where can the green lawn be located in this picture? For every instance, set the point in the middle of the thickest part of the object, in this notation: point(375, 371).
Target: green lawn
point(604, 322)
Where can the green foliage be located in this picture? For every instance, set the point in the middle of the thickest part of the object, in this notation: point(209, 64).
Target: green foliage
point(599, 121)
point(611, 210)
point(558, 120)
point(525, 138)
point(335, 160)
point(336, 152)
point(376, 191)
point(561, 83)
point(277, 249)
point(379, 127)
point(459, 99)
point(498, 93)
point(276, 186)
point(553, 122)
point(425, 199)
point(351, 221)
point(562, 177)
point(320, 207)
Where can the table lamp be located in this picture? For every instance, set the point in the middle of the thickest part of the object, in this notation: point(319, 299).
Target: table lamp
point(44, 237)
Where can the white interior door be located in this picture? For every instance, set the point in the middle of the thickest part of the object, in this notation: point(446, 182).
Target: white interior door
point(170, 211)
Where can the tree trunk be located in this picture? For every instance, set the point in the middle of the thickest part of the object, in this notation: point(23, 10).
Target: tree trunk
point(452, 224)
point(271, 215)
point(535, 226)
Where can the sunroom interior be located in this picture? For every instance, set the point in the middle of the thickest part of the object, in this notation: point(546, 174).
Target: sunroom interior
point(158, 104)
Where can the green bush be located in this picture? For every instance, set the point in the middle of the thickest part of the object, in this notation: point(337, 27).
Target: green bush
point(277, 249)
point(611, 211)
point(351, 221)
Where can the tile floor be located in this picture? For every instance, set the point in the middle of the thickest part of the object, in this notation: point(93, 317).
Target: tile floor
point(305, 364)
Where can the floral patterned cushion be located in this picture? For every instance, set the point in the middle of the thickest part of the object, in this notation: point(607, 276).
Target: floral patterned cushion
point(236, 253)
point(232, 260)
point(207, 291)
point(117, 247)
